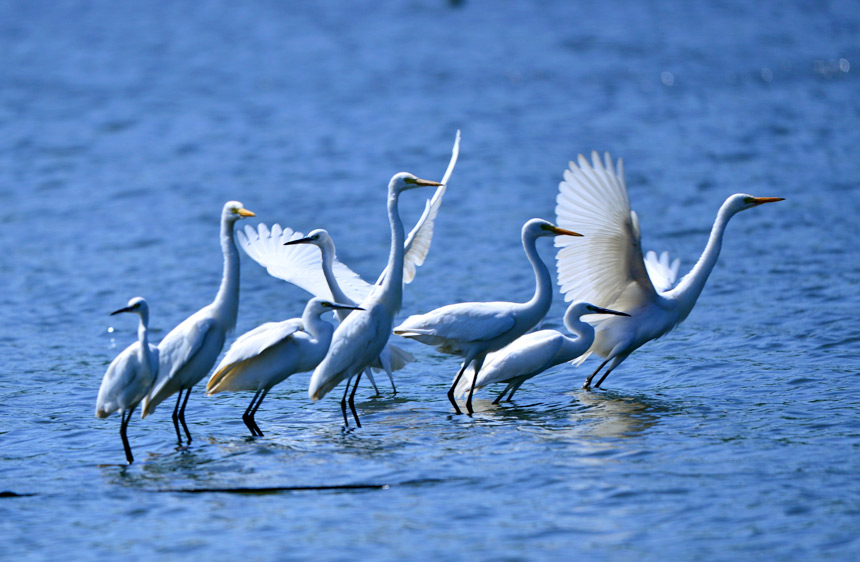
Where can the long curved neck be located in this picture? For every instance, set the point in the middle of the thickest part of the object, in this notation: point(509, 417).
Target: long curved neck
point(333, 286)
point(585, 337)
point(542, 298)
point(143, 331)
point(690, 287)
point(316, 326)
point(392, 285)
point(227, 300)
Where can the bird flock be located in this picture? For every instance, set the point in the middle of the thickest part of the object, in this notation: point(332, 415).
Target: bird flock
point(620, 299)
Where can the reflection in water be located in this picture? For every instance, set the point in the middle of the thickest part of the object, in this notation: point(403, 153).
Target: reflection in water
point(605, 414)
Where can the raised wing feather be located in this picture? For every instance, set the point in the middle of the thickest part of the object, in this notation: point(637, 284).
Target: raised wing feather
point(605, 266)
point(464, 322)
point(662, 273)
point(299, 264)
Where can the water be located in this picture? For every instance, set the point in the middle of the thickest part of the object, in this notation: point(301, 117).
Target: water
point(123, 129)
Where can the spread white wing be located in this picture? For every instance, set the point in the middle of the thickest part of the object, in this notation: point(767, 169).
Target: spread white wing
point(605, 266)
point(662, 273)
point(299, 264)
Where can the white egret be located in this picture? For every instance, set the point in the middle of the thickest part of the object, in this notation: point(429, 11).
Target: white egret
point(189, 351)
point(268, 354)
point(360, 338)
point(130, 375)
point(608, 268)
point(473, 329)
point(282, 253)
point(535, 352)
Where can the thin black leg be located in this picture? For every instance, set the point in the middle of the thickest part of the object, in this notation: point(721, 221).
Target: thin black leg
point(352, 400)
point(478, 364)
point(247, 417)
point(502, 395)
point(454, 386)
point(587, 384)
point(123, 429)
point(176, 416)
point(254, 412)
point(606, 374)
point(182, 415)
point(343, 402)
point(514, 389)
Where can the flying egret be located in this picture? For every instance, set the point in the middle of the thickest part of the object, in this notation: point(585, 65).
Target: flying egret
point(360, 338)
point(130, 375)
point(189, 351)
point(282, 253)
point(535, 352)
point(268, 354)
point(608, 268)
point(473, 329)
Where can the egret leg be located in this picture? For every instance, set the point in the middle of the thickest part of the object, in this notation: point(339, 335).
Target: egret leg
point(343, 402)
point(182, 415)
point(478, 364)
point(176, 416)
point(248, 417)
point(617, 361)
point(372, 382)
point(516, 386)
point(502, 395)
point(254, 412)
point(453, 386)
point(123, 429)
point(352, 400)
point(386, 364)
point(587, 383)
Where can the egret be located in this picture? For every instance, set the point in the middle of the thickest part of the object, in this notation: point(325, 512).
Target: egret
point(473, 329)
point(282, 252)
point(360, 338)
point(608, 268)
point(189, 351)
point(130, 375)
point(268, 354)
point(535, 352)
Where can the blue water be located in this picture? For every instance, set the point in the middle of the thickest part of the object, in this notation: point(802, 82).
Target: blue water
point(124, 128)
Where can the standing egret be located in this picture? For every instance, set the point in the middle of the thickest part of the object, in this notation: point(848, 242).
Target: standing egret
point(282, 252)
point(535, 352)
point(130, 375)
point(188, 352)
point(360, 338)
point(268, 354)
point(473, 329)
point(608, 268)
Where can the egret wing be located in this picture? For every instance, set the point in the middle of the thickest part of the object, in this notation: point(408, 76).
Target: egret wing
point(605, 266)
point(417, 244)
point(464, 322)
point(662, 273)
point(256, 341)
point(299, 264)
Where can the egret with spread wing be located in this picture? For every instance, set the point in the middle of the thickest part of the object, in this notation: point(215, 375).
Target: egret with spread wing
point(360, 338)
point(188, 351)
point(608, 268)
point(473, 329)
point(268, 354)
point(535, 352)
point(130, 375)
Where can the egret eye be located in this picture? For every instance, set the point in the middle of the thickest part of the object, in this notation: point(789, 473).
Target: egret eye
point(749, 200)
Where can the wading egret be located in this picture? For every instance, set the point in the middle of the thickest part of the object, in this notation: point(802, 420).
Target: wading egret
point(130, 375)
point(189, 351)
point(608, 268)
point(360, 338)
point(268, 354)
point(536, 352)
point(473, 329)
point(282, 252)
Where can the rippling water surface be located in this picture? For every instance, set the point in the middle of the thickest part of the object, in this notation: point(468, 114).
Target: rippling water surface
point(123, 129)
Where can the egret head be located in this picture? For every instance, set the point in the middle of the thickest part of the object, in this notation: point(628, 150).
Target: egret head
point(136, 305)
point(318, 306)
point(539, 227)
point(233, 211)
point(581, 308)
point(405, 181)
point(319, 237)
point(741, 201)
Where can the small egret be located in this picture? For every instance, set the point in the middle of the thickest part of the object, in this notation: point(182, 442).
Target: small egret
point(130, 375)
point(268, 354)
point(282, 252)
point(189, 351)
point(473, 329)
point(360, 338)
point(608, 268)
point(535, 352)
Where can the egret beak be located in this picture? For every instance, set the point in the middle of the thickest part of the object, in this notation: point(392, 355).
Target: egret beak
point(305, 240)
point(418, 182)
point(598, 310)
point(562, 231)
point(126, 309)
point(763, 200)
point(344, 307)
point(245, 213)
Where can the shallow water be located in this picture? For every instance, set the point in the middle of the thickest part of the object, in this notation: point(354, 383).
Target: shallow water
point(124, 129)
